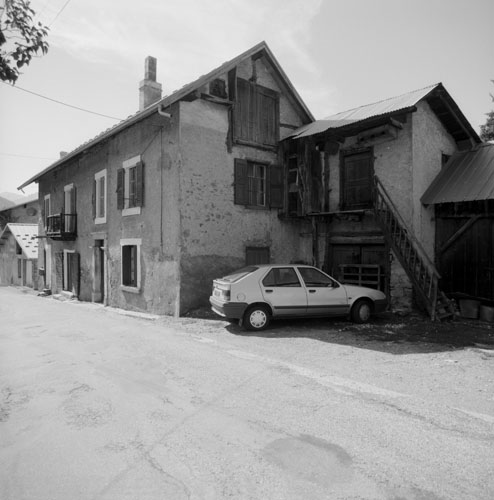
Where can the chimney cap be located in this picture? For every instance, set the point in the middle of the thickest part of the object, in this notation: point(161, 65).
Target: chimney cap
point(150, 68)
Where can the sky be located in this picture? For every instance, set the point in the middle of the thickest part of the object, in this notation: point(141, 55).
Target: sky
point(338, 55)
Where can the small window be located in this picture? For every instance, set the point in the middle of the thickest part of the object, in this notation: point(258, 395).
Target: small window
point(281, 277)
point(256, 255)
point(99, 197)
point(129, 265)
point(19, 268)
point(257, 185)
point(314, 278)
point(130, 186)
point(131, 268)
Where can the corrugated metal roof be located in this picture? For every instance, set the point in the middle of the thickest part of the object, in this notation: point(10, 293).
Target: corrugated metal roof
point(386, 107)
point(468, 176)
point(175, 96)
point(27, 237)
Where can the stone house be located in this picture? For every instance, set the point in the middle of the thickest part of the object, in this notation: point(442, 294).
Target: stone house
point(146, 214)
point(359, 176)
point(19, 254)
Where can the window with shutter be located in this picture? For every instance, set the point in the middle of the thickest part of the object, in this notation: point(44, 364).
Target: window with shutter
point(356, 181)
point(258, 185)
point(130, 186)
point(256, 114)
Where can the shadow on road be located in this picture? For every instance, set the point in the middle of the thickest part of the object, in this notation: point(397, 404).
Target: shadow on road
point(386, 333)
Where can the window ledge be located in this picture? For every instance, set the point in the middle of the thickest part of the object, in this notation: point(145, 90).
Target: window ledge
point(131, 211)
point(100, 220)
point(130, 289)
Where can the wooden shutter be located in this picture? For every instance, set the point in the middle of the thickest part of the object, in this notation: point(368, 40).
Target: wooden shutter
point(241, 187)
point(120, 188)
point(93, 199)
point(357, 181)
point(276, 183)
point(244, 111)
point(75, 272)
point(266, 116)
point(139, 196)
point(59, 271)
point(73, 201)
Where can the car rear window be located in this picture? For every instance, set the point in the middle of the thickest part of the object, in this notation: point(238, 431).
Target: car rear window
point(241, 273)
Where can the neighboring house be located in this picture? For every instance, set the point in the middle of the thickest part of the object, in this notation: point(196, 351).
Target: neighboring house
point(24, 211)
point(359, 177)
point(19, 255)
point(462, 196)
point(145, 215)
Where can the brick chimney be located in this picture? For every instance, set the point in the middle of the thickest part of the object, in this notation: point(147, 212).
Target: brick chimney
point(149, 88)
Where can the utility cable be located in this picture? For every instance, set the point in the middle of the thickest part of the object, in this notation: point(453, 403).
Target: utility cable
point(59, 12)
point(63, 103)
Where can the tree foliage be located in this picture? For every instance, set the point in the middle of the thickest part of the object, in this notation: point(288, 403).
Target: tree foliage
point(21, 38)
point(487, 130)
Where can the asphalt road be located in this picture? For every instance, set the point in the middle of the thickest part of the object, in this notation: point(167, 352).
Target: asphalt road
point(95, 404)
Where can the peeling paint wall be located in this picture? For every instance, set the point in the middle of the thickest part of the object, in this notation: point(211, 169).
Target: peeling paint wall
point(430, 142)
point(154, 140)
point(215, 231)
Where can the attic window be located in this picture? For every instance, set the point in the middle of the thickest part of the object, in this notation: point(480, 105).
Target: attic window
point(256, 115)
point(218, 88)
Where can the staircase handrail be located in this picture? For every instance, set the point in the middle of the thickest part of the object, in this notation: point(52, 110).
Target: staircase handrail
point(423, 254)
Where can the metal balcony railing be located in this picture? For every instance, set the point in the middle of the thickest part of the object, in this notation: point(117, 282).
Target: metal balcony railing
point(61, 226)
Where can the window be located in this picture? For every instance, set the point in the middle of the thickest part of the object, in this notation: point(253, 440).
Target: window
point(19, 268)
point(46, 210)
point(130, 187)
point(314, 278)
point(99, 197)
point(356, 181)
point(256, 114)
point(256, 255)
point(69, 208)
point(131, 267)
point(258, 185)
point(281, 276)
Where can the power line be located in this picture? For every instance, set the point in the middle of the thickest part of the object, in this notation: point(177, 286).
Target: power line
point(63, 103)
point(58, 13)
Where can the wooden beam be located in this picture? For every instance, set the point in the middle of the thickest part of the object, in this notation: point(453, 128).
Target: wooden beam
point(469, 223)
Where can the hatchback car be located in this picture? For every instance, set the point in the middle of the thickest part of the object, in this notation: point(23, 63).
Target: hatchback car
point(256, 294)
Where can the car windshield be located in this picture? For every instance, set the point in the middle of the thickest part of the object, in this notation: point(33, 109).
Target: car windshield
point(241, 273)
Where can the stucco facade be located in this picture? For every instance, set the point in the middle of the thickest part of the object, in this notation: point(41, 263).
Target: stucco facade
point(162, 255)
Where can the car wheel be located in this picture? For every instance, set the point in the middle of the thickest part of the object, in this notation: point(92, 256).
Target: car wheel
point(256, 318)
point(361, 311)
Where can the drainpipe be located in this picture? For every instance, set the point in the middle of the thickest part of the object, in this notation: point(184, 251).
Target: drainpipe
point(163, 113)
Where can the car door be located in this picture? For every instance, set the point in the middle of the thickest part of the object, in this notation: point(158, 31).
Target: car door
point(325, 297)
point(284, 292)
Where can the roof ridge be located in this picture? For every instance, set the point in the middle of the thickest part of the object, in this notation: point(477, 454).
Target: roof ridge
point(383, 100)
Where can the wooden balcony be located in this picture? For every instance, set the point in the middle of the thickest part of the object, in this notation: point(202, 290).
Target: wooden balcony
point(62, 226)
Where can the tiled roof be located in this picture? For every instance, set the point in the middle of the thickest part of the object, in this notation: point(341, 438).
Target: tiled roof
point(468, 176)
point(175, 96)
point(26, 236)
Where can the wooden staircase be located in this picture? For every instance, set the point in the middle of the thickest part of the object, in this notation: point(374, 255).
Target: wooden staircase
point(420, 269)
